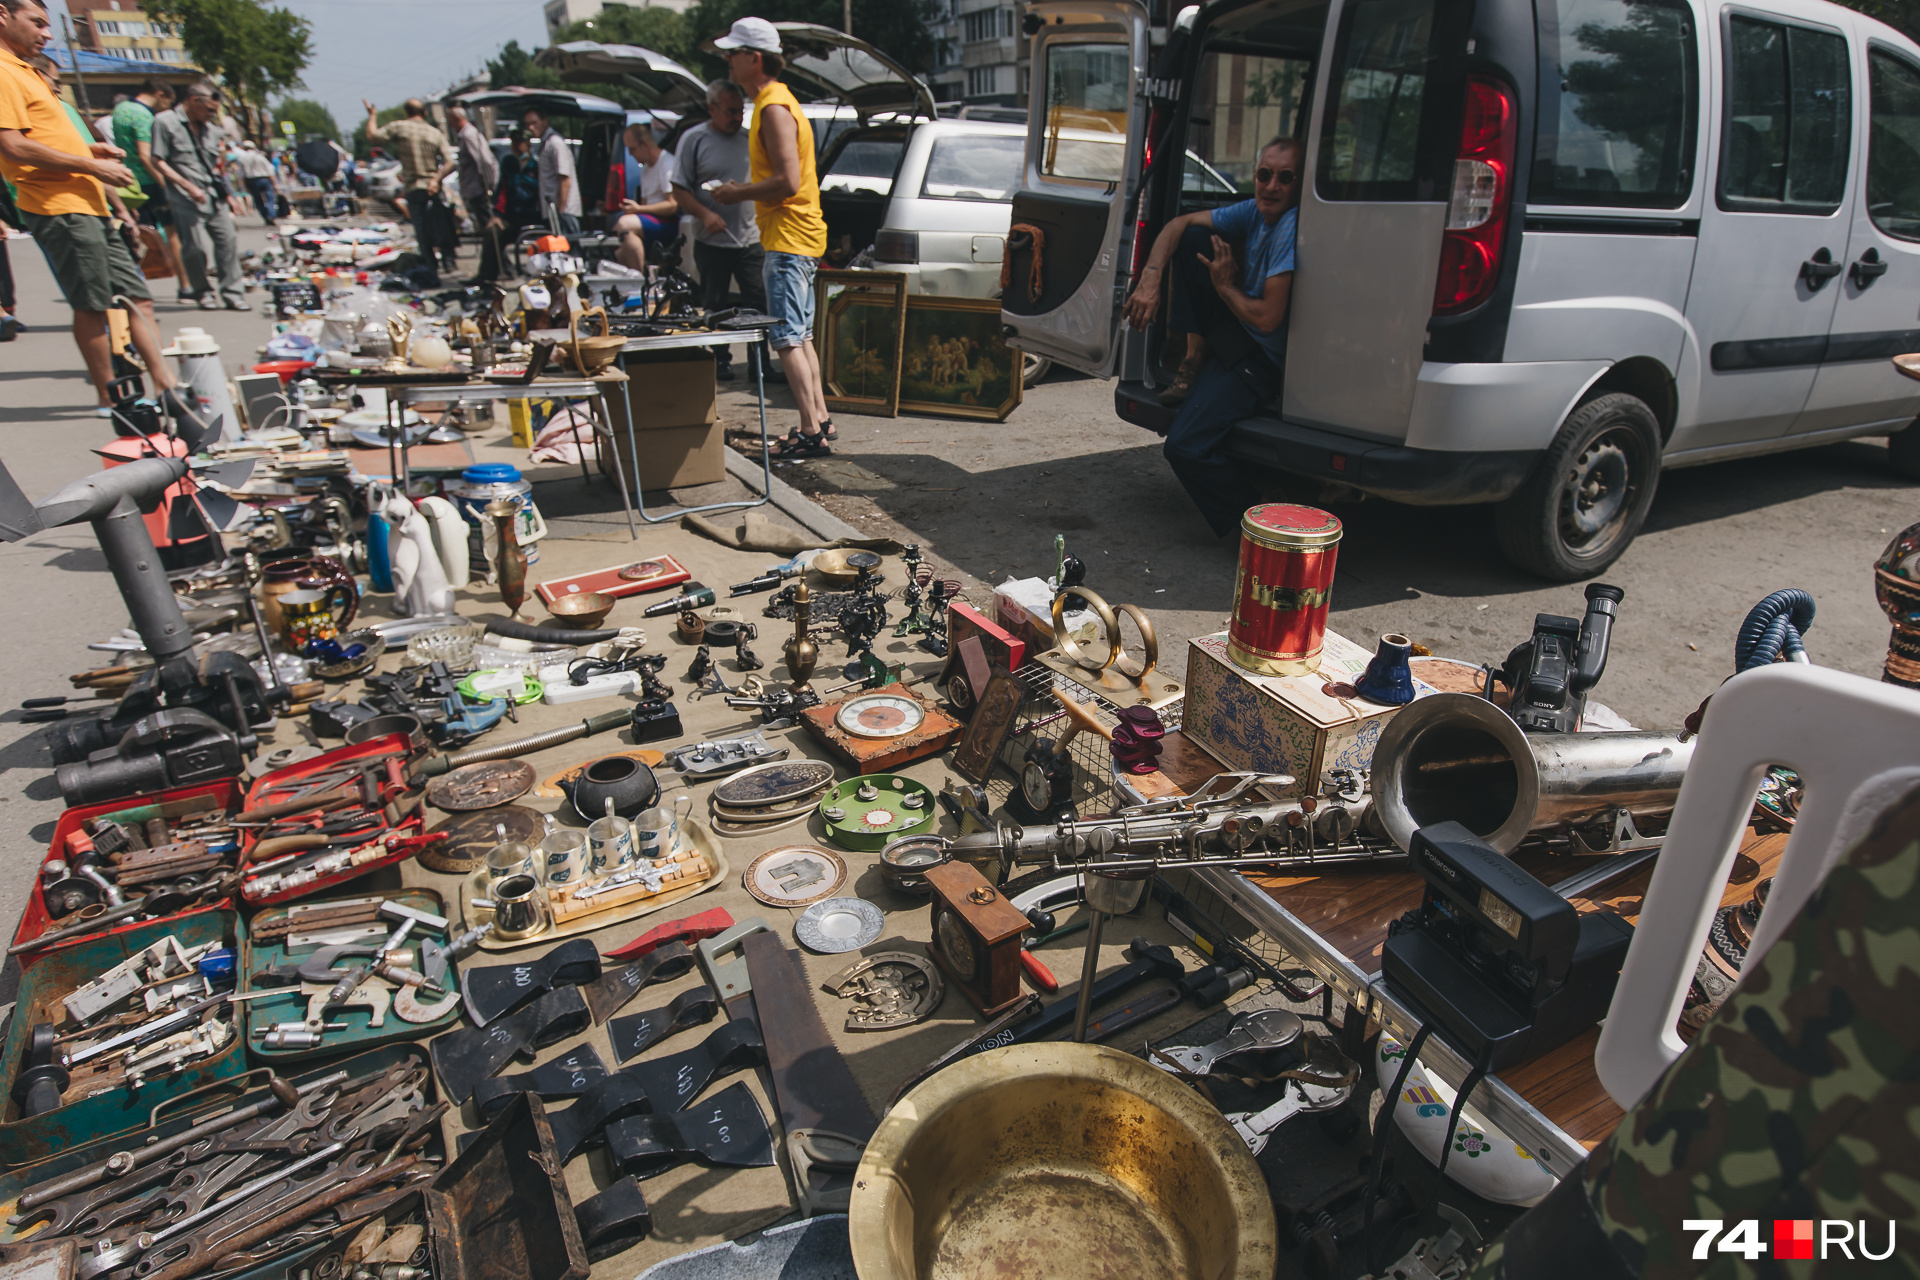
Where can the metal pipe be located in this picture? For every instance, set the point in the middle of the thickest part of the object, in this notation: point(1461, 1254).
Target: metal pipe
point(1457, 757)
point(1089, 969)
point(137, 571)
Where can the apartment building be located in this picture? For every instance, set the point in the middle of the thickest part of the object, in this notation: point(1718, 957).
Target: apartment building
point(121, 29)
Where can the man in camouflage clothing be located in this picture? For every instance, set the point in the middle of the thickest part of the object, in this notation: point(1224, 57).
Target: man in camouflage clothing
point(1800, 1101)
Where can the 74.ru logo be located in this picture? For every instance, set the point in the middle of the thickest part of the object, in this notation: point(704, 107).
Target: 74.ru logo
point(1794, 1239)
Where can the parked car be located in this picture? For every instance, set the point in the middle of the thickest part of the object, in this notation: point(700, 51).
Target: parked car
point(1545, 251)
point(383, 182)
point(590, 124)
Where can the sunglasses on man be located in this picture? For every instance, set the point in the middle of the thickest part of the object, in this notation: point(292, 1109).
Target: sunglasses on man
point(1285, 177)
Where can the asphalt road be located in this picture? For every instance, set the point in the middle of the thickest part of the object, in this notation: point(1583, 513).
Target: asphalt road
point(986, 500)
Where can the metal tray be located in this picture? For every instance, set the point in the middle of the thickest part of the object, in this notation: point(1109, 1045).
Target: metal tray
point(23, 1140)
point(360, 1034)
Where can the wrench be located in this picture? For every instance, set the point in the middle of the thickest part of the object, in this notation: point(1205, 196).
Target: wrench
point(1263, 1029)
point(1302, 1097)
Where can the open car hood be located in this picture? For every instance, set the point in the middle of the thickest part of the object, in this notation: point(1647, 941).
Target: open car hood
point(553, 102)
point(850, 70)
point(667, 85)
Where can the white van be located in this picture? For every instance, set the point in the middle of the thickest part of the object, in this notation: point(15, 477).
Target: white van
point(1546, 249)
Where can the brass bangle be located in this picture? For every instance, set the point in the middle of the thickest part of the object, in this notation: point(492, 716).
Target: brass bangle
point(1149, 642)
point(1065, 641)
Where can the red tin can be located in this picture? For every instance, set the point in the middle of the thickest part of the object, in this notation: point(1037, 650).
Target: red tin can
point(1284, 588)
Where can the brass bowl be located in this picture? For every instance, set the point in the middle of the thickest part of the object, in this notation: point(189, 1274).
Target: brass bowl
point(1068, 1161)
point(584, 610)
point(832, 565)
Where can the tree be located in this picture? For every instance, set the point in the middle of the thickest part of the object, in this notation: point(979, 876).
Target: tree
point(515, 66)
point(310, 119)
point(360, 147)
point(252, 50)
point(653, 27)
point(903, 28)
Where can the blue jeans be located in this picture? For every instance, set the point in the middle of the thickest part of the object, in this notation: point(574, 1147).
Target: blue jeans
point(789, 281)
point(1240, 376)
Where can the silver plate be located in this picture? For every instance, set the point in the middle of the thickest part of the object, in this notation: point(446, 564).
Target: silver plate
point(838, 924)
point(766, 784)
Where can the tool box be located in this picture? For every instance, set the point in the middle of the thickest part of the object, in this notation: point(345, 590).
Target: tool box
point(182, 1113)
point(24, 1140)
point(34, 920)
point(360, 1033)
point(287, 783)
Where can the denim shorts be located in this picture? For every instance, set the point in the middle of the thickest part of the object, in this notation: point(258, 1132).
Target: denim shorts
point(789, 280)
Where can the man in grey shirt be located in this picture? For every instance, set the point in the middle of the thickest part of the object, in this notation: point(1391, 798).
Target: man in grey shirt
point(559, 184)
point(726, 243)
point(479, 175)
point(187, 146)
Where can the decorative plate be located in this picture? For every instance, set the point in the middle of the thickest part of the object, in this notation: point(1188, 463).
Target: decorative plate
point(766, 784)
point(794, 875)
point(839, 924)
point(880, 715)
point(481, 786)
point(472, 834)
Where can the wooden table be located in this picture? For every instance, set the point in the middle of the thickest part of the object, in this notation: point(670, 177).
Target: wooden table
point(1335, 923)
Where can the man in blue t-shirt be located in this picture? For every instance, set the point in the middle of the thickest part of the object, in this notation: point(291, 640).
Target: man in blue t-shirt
point(1233, 275)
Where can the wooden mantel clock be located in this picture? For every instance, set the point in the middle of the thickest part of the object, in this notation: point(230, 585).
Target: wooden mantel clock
point(976, 937)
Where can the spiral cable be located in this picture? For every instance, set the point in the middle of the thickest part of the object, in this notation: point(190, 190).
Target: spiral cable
point(1774, 627)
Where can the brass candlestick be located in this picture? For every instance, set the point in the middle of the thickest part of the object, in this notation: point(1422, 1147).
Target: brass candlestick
point(512, 564)
point(800, 651)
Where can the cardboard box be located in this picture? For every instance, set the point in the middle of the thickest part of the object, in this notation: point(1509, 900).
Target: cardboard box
point(675, 419)
point(1283, 724)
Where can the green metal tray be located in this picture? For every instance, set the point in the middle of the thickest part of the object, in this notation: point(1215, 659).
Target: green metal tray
point(360, 1033)
point(26, 1140)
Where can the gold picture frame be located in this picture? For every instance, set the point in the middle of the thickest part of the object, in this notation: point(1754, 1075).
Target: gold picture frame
point(859, 324)
point(954, 360)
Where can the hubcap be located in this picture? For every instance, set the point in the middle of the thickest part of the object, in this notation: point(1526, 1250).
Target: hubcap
point(1600, 486)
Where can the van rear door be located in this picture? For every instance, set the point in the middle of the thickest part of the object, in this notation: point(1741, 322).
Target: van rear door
point(1374, 211)
point(1874, 313)
point(1080, 182)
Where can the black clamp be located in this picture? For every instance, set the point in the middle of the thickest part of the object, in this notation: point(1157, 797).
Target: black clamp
point(728, 1130)
point(464, 1058)
point(635, 1034)
point(608, 994)
point(567, 1077)
point(497, 990)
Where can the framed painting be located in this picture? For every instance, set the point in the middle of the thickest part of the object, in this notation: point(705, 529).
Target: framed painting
point(955, 360)
point(858, 326)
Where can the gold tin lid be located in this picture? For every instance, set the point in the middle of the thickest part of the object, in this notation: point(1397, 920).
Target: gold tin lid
point(1290, 527)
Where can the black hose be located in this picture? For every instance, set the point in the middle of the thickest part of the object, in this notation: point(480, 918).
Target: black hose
point(1774, 626)
point(548, 635)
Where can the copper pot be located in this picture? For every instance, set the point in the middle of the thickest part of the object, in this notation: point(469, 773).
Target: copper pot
point(315, 573)
point(1064, 1160)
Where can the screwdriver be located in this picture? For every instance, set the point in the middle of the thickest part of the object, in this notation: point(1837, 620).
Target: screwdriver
point(698, 598)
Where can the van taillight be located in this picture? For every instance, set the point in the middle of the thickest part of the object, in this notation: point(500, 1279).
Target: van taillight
point(1155, 120)
point(1482, 188)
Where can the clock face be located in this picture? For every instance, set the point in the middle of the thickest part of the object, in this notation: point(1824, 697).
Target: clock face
point(956, 943)
point(881, 715)
point(1036, 786)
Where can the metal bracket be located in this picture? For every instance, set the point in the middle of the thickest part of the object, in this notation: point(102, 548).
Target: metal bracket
point(723, 959)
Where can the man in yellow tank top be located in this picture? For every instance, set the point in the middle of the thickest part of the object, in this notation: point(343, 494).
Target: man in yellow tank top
point(786, 194)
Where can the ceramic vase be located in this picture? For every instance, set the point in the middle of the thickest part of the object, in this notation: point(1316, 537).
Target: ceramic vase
point(1388, 678)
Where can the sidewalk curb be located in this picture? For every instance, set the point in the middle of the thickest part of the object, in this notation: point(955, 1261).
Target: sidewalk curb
point(789, 501)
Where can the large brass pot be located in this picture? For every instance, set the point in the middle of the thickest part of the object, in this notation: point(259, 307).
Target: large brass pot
point(1062, 1161)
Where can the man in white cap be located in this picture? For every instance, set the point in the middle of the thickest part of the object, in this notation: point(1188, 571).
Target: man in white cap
point(785, 191)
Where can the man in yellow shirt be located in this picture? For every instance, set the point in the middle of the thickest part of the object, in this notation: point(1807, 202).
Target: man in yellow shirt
point(786, 195)
point(57, 174)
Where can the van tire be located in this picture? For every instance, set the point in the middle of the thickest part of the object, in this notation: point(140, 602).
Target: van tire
point(1610, 448)
point(1033, 368)
point(1903, 452)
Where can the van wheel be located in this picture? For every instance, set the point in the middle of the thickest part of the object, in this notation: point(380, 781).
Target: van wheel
point(1588, 495)
point(1033, 368)
point(1903, 452)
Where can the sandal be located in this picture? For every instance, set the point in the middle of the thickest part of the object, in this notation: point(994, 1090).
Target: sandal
point(1182, 387)
point(796, 445)
point(828, 432)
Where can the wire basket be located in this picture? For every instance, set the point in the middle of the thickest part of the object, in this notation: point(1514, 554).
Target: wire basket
point(1093, 789)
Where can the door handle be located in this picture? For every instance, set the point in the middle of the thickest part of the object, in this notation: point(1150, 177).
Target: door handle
point(1868, 269)
point(1819, 269)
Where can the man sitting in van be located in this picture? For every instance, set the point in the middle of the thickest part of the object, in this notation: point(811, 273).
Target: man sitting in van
point(1233, 274)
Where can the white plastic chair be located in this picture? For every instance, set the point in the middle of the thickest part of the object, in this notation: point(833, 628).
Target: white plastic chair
point(1856, 745)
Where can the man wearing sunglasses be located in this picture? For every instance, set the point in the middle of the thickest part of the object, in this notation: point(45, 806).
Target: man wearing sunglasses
point(1232, 271)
